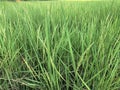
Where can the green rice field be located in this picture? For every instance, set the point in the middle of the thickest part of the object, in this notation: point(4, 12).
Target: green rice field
point(60, 45)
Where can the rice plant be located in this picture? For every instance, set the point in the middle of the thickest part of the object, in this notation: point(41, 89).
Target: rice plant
point(60, 45)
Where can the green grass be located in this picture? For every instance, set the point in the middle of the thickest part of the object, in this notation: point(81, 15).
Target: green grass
point(60, 45)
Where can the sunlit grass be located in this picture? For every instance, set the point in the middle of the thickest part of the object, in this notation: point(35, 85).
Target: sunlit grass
point(60, 46)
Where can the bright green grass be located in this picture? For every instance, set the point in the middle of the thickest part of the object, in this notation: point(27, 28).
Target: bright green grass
point(60, 46)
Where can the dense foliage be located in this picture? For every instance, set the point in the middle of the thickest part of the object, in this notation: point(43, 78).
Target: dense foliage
point(60, 46)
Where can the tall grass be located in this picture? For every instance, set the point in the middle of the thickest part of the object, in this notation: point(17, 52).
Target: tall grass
point(60, 46)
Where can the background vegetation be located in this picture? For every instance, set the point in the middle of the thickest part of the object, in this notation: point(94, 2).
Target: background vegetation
point(27, 0)
point(60, 46)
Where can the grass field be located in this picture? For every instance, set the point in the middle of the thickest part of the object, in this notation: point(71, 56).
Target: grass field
point(60, 45)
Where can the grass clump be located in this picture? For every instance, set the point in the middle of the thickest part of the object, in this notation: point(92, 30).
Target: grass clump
point(60, 46)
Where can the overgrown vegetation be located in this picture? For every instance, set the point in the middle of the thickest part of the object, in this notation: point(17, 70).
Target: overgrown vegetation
point(60, 46)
